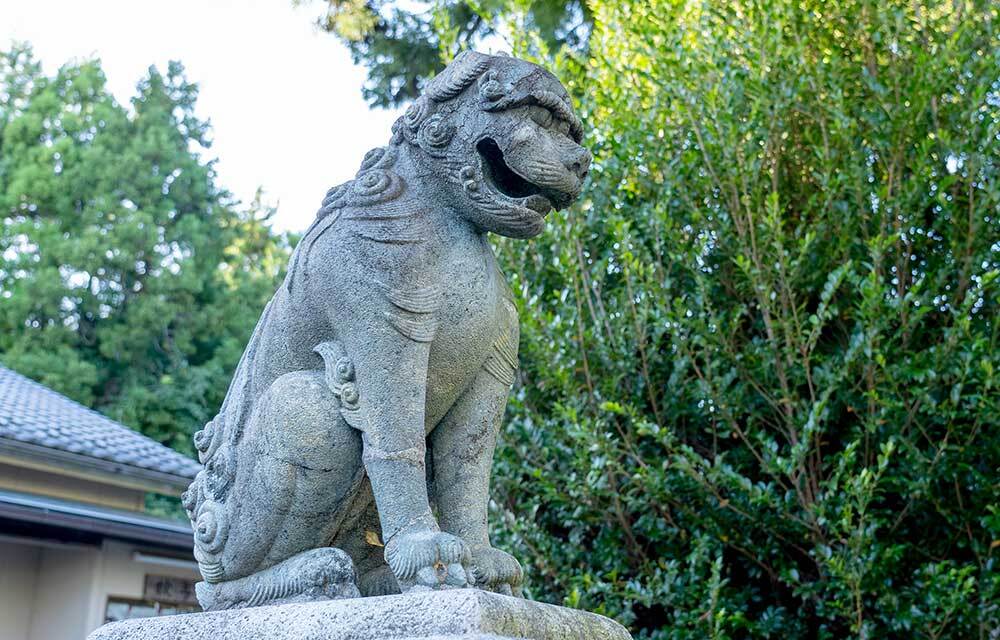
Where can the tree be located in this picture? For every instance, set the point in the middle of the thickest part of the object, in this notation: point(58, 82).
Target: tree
point(130, 281)
point(404, 44)
point(758, 395)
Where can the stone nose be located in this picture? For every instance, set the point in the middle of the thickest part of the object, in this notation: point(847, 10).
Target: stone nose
point(579, 162)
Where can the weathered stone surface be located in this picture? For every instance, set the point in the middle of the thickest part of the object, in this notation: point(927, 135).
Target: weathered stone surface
point(457, 614)
point(352, 453)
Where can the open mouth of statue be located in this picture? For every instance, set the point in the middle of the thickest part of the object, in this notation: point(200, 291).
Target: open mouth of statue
point(507, 181)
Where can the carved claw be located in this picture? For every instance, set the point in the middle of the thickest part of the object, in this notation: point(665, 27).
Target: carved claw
point(428, 560)
point(496, 570)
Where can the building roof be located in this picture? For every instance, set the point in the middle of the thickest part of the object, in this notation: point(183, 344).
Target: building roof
point(56, 514)
point(35, 420)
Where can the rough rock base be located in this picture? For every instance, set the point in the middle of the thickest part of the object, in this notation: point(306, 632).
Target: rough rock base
point(460, 614)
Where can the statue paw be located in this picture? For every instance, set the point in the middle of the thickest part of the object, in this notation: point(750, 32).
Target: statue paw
point(496, 570)
point(428, 560)
point(325, 573)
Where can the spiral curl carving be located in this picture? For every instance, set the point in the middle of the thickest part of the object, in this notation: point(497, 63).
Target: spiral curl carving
point(374, 186)
point(435, 136)
point(372, 158)
point(335, 198)
point(416, 113)
point(211, 528)
point(207, 440)
point(345, 370)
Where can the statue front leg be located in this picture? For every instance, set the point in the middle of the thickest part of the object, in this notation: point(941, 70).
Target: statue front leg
point(462, 446)
point(417, 551)
point(383, 394)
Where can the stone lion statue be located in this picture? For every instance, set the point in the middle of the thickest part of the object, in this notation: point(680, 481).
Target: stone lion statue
point(352, 453)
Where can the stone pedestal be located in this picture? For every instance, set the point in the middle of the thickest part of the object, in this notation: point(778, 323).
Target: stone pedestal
point(461, 614)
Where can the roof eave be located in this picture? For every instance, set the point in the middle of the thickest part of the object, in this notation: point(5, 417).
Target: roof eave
point(24, 454)
point(41, 510)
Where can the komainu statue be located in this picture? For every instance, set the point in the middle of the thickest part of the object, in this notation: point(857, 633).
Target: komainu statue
point(366, 407)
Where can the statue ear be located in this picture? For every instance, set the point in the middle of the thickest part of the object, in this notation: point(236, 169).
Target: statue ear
point(435, 134)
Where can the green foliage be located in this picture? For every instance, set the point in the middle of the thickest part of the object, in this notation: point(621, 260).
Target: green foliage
point(129, 280)
point(759, 393)
point(403, 44)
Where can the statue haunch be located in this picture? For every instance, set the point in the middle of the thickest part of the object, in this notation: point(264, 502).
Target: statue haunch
point(367, 404)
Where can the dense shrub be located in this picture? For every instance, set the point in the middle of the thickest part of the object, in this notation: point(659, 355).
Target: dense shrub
point(758, 394)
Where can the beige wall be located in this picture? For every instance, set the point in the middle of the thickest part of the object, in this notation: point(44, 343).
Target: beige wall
point(17, 586)
point(61, 592)
point(68, 488)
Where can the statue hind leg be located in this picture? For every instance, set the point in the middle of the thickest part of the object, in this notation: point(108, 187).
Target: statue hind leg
point(266, 510)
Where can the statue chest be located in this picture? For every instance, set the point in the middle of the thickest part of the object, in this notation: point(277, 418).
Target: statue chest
point(476, 314)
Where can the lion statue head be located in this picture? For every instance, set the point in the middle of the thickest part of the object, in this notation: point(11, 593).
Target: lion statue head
point(498, 138)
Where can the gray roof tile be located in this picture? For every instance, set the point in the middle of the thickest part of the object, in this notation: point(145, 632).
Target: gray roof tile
point(33, 413)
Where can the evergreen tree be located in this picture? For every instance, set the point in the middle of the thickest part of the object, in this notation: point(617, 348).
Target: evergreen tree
point(403, 44)
point(130, 280)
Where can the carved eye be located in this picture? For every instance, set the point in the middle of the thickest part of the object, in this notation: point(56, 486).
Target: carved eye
point(541, 115)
